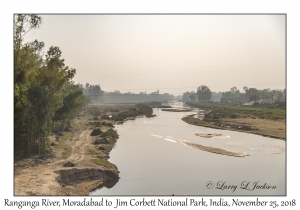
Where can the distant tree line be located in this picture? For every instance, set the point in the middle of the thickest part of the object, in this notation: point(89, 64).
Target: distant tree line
point(94, 92)
point(204, 94)
point(45, 97)
point(253, 94)
point(118, 97)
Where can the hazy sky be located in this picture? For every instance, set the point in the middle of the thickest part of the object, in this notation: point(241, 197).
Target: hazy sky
point(172, 53)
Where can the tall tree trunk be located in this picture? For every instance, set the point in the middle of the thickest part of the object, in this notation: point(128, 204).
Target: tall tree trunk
point(28, 135)
point(39, 144)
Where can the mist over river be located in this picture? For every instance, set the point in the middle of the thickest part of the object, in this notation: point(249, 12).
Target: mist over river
point(152, 160)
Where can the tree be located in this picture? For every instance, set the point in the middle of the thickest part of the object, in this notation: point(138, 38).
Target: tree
point(253, 97)
point(187, 95)
point(253, 93)
point(265, 94)
point(44, 94)
point(94, 92)
point(22, 25)
point(193, 97)
point(203, 93)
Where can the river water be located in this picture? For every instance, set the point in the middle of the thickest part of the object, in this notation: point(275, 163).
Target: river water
point(152, 160)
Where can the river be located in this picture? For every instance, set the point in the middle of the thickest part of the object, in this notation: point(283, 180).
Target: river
point(152, 160)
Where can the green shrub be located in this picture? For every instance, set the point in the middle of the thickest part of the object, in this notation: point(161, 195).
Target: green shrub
point(101, 141)
point(101, 148)
point(111, 133)
point(96, 132)
point(105, 117)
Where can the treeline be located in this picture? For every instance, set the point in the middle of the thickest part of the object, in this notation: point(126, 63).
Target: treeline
point(94, 92)
point(252, 94)
point(45, 97)
point(267, 95)
point(117, 97)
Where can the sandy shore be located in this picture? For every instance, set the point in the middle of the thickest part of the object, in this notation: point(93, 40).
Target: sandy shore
point(215, 150)
point(264, 127)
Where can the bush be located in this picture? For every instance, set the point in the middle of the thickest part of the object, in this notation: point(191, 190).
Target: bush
point(101, 148)
point(95, 123)
point(105, 117)
point(107, 124)
point(111, 133)
point(96, 132)
point(101, 141)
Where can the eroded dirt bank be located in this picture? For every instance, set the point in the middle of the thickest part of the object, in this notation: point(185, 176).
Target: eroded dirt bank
point(264, 127)
point(45, 177)
point(78, 161)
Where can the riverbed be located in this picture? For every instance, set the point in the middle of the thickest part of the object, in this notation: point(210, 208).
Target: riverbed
point(153, 160)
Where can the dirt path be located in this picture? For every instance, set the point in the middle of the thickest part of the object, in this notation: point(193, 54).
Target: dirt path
point(33, 178)
point(82, 140)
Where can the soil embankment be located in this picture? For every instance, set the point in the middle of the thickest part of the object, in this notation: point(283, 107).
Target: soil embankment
point(78, 161)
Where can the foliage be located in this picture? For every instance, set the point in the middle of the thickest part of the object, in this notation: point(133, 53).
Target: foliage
point(94, 92)
point(253, 94)
point(187, 95)
point(101, 141)
point(203, 93)
point(139, 109)
point(218, 110)
point(45, 97)
point(118, 97)
point(111, 133)
point(63, 146)
point(193, 97)
point(232, 93)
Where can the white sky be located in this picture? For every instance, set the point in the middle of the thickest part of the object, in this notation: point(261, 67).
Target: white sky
point(172, 53)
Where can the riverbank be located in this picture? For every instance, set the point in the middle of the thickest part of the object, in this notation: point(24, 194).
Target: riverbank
point(268, 122)
point(78, 162)
point(264, 127)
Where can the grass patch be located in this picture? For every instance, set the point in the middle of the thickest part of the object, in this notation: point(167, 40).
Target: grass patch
point(75, 125)
point(240, 111)
point(94, 111)
point(104, 163)
point(66, 135)
point(63, 146)
point(91, 151)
